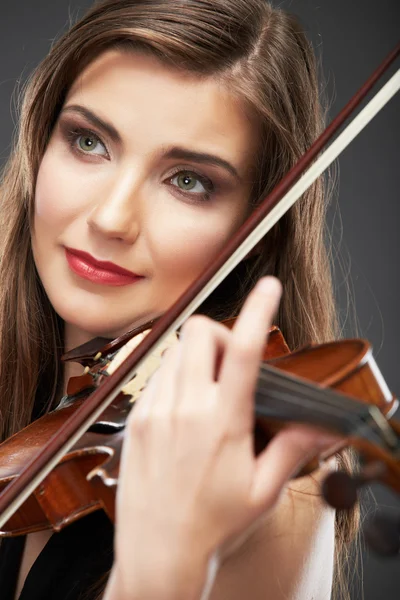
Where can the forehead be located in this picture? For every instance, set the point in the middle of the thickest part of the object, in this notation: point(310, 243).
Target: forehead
point(157, 104)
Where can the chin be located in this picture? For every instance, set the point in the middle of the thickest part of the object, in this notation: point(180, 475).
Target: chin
point(90, 320)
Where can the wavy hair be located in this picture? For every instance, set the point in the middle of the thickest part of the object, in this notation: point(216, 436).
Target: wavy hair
point(260, 53)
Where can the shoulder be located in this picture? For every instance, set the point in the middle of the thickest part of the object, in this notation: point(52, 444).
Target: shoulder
point(289, 554)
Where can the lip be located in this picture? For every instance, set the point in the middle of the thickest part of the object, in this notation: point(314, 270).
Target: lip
point(98, 271)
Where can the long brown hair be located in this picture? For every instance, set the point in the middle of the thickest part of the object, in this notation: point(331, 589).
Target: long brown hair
point(262, 55)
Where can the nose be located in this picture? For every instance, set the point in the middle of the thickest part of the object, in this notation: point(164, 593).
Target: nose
point(117, 214)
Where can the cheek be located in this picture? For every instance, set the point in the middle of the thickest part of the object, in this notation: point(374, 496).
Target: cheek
point(58, 195)
point(49, 187)
point(183, 247)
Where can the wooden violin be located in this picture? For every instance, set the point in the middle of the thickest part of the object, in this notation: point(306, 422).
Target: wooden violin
point(336, 386)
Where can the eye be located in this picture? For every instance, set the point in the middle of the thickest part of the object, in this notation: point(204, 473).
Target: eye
point(188, 181)
point(90, 144)
point(83, 141)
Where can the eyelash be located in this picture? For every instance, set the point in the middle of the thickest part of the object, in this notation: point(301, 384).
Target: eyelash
point(74, 133)
point(207, 184)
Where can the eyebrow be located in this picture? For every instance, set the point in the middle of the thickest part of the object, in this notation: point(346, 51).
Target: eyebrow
point(176, 152)
point(94, 120)
point(201, 157)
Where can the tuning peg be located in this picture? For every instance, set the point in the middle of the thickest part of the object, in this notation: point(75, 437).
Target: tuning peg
point(382, 534)
point(340, 489)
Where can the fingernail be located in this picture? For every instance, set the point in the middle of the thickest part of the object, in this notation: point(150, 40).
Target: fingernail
point(269, 285)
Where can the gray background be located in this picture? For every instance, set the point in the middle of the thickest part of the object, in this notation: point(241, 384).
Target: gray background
point(351, 37)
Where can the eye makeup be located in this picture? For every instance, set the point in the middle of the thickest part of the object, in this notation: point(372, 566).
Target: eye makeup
point(76, 136)
point(71, 132)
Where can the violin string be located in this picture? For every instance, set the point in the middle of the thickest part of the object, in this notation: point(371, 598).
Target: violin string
point(314, 399)
point(305, 400)
point(324, 401)
point(356, 422)
point(325, 395)
point(338, 421)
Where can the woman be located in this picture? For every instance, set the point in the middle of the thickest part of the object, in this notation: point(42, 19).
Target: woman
point(147, 135)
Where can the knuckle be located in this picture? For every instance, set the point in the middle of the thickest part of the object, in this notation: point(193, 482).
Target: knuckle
point(271, 497)
point(187, 412)
point(243, 349)
point(138, 422)
point(137, 426)
point(169, 355)
point(196, 325)
point(194, 415)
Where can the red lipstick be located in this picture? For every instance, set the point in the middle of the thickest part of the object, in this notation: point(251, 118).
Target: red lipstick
point(98, 271)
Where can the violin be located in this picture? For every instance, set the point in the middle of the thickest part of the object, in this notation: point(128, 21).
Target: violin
point(336, 386)
point(65, 465)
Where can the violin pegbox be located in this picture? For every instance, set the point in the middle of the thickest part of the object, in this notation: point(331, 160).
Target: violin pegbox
point(139, 381)
point(100, 358)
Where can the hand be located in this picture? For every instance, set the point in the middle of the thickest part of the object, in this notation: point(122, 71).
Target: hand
point(189, 480)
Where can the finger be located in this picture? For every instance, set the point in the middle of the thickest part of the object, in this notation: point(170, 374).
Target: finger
point(165, 397)
point(284, 456)
point(241, 362)
point(202, 343)
point(142, 406)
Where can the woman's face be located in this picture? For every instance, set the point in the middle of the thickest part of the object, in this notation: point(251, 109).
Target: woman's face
point(149, 169)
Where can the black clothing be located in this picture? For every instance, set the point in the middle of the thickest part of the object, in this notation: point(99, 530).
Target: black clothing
point(68, 567)
point(73, 560)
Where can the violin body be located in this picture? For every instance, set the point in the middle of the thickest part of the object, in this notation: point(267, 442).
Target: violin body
point(66, 494)
point(86, 478)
